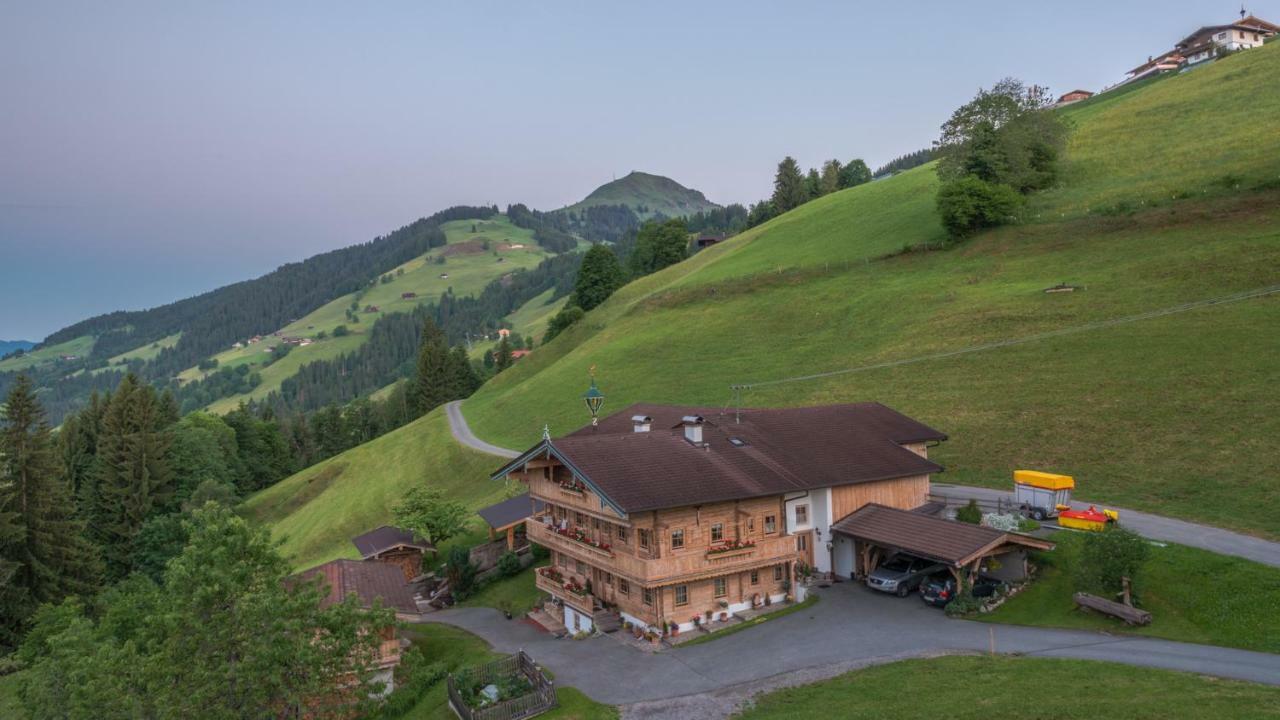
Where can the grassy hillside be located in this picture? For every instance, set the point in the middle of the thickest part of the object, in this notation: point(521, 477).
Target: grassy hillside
point(1169, 414)
point(80, 347)
point(317, 511)
point(469, 266)
point(655, 193)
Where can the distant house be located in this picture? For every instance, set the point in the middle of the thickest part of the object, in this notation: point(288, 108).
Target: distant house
point(1156, 64)
point(517, 354)
point(1210, 41)
point(518, 246)
point(503, 332)
point(394, 546)
point(704, 241)
point(371, 308)
point(237, 345)
point(444, 276)
point(408, 295)
point(67, 357)
point(1074, 96)
point(368, 583)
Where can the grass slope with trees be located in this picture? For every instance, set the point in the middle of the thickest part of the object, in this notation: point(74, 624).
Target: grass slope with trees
point(647, 195)
point(1169, 194)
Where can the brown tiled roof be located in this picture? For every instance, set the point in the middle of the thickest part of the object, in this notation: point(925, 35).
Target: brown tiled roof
point(376, 542)
point(510, 511)
point(367, 581)
point(754, 453)
point(933, 538)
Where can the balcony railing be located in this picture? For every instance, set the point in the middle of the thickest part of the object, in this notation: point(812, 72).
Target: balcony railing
point(686, 563)
point(584, 602)
point(578, 537)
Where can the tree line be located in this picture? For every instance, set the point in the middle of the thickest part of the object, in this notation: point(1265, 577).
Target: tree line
point(793, 188)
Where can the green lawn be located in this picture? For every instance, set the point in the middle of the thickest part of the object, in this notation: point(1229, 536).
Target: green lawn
point(317, 511)
point(80, 347)
point(516, 594)
point(459, 649)
point(146, 352)
point(1168, 415)
point(1193, 595)
point(982, 688)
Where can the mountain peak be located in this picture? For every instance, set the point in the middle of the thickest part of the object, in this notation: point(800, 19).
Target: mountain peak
point(648, 194)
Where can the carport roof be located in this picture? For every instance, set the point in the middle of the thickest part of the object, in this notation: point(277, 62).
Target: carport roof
point(932, 538)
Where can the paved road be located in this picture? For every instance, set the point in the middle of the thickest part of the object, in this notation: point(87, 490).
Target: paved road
point(1146, 524)
point(1155, 527)
point(849, 627)
point(462, 432)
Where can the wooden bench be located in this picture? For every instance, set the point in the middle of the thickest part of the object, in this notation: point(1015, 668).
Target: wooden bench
point(1130, 615)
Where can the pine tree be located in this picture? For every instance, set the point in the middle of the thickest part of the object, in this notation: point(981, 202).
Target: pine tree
point(503, 359)
point(78, 442)
point(132, 479)
point(433, 381)
point(788, 187)
point(813, 185)
point(598, 277)
point(830, 176)
point(42, 544)
point(464, 380)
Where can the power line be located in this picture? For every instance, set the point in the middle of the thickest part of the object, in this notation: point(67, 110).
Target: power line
point(1173, 310)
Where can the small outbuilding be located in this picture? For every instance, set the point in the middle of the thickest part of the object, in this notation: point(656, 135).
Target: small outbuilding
point(394, 546)
point(508, 517)
point(878, 532)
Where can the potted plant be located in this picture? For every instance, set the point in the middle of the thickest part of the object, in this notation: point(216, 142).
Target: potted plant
point(697, 621)
point(673, 629)
point(724, 617)
point(768, 600)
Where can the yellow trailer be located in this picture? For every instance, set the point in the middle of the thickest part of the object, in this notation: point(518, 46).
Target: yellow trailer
point(1041, 494)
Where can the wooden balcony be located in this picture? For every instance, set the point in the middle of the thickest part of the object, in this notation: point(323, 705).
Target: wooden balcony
point(715, 555)
point(585, 603)
point(688, 564)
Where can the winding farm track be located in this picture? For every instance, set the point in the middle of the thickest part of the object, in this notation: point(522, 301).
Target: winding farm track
point(1156, 527)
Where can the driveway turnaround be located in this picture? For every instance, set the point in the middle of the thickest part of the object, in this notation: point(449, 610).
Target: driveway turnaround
point(1155, 527)
point(849, 627)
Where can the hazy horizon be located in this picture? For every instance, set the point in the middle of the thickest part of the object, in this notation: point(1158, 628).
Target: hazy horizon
point(154, 152)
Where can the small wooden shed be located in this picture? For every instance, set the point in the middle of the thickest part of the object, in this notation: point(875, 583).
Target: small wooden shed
point(394, 546)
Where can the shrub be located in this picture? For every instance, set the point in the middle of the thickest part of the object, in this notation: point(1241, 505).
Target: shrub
point(414, 677)
point(340, 331)
point(461, 573)
point(567, 316)
point(1108, 556)
point(970, 513)
point(969, 204)
point(508, 564)
point(539, 552)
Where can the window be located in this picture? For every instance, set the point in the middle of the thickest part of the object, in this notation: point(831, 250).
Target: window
point(580, 519)
point(647, 595)
point(751, 524)
point(608, 579)
point(717, 533)
point(564, 560)
point(777, 573)
point(770, 524)
point(677, 539)
point(622, 534)
point(624, 586)
point(721, 587)
point(802, 515)
point(682, 595)
point(802, 543)
point(643, 538)
point(606, 529)
point(755, 577)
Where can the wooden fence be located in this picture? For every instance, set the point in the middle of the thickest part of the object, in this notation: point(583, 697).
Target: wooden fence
point(538, 700)
point(1000, 506)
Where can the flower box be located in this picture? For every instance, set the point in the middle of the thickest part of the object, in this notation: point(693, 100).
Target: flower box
point(732, 547)
point(579, 536)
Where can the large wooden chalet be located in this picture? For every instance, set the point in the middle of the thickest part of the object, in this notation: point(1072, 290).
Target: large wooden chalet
point(670, 513)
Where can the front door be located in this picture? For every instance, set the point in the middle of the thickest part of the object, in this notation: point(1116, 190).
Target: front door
point(804, 543)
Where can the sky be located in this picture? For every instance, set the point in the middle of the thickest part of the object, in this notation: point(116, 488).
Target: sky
point(151, 151)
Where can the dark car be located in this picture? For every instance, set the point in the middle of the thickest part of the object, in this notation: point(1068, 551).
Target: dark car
point(901, 575)
point(938, 590)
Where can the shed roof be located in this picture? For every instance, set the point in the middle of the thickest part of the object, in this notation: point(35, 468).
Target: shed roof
point(376, 542)
point(751, 453)
point(367, 581)
point(933, 538)
point(514, 510)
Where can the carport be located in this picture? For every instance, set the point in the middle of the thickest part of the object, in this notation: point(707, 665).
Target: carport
point(879, 531)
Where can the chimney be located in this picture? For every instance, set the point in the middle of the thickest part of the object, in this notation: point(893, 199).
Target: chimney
point(641, 422)
point(692, 428)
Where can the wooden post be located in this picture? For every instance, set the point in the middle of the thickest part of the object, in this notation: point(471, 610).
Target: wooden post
point(1128, 600)
point(511, 537)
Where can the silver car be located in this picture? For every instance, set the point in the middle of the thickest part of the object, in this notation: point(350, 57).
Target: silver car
point(901, 575)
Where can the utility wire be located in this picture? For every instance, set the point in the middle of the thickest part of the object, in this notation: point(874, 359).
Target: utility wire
point(1173, 310)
